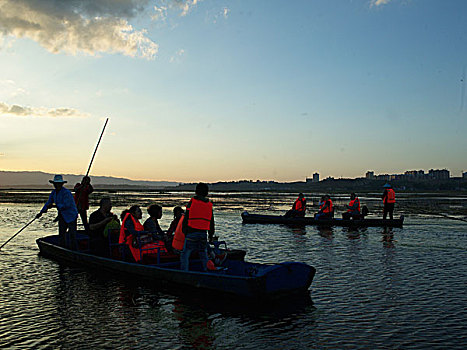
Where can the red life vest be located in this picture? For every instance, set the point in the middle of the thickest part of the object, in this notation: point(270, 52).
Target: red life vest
point(352, 202)
point(390, 196)
point(179, 237)
point(81, 197)
point(200, 214)
point(128, 240)
point(299, 204)
point(329, 208)
point(124, 238)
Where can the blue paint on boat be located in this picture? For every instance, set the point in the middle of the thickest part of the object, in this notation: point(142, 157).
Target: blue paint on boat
point(235, 278)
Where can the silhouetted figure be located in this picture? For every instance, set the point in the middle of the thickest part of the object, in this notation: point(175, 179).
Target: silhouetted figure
point(82, 191)
point(389, 200)
point(353, 208)
point(326, 210)
point(197, 223)
point(67, 212)
point(298, 208)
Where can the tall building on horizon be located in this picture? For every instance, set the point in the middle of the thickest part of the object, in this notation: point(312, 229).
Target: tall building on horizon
point(315, 177)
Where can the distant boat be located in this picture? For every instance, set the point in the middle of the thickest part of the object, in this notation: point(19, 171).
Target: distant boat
point(301, 221)
point(236, 278)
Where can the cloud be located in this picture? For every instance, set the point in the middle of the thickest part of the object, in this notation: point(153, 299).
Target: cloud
point(20, 111)
point(185, 5)
point(379, 2)
point(74, 26)
point(177, 56)
point(9, 89)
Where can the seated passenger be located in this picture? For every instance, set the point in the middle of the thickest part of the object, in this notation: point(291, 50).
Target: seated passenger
point(151, 224)
point(298, 208)
point(139, 241)
point(326, 210)
point(98, 221)
point(178, 213)
point(353, 208)
point(178, 240)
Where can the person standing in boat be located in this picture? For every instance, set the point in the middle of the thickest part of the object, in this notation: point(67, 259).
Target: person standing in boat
point(326, 210)
point(353, 208)
point(198, 222)
point(389, 200)
point(98, 221)
point(67, 212)
point(82, 191)
point(298, 208)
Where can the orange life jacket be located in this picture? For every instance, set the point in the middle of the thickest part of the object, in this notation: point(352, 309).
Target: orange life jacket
point(352, 202)
point(200, 214)
point(299, 204)
point(124, 238)
point(179, 237)
point(390, 196)
point(329, 208)
point(128, 240)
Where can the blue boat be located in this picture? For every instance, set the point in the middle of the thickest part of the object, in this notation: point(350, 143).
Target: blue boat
point(235, 278)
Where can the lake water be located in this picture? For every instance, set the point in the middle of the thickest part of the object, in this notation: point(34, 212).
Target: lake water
point(374, 288)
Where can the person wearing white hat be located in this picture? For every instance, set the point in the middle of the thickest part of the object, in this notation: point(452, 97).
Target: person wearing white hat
point(67, 212)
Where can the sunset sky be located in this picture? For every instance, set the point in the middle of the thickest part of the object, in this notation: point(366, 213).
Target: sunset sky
point(217, 90)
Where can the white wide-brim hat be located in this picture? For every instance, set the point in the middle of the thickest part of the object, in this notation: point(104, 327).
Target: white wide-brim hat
point(57, 179)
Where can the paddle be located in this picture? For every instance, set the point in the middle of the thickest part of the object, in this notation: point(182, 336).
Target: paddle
point(17, 233)
point(92, 159)
point(89, 168)
point(98, 142)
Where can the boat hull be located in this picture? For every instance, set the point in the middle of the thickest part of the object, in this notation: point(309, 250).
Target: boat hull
point(276, 219)
point(238, 278)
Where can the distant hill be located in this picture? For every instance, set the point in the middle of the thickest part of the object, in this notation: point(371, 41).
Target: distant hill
point(39, 179)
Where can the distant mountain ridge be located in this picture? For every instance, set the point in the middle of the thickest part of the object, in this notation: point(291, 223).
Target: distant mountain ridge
point(39, 179)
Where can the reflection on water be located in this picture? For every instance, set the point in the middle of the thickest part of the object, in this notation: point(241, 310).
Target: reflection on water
point(374, 288)
point(325, 232)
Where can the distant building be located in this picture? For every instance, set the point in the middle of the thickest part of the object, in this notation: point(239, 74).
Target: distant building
point(464, 175)
point(438, 174)
point(370, 175)
point(414, 174)
point(385, 177)
point(315, 177)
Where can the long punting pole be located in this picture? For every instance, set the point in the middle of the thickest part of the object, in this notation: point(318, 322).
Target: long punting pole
point(98, 142)
point(17, 233)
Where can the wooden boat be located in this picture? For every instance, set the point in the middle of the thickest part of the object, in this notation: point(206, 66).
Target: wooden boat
point(277, 219)
point(236, 278)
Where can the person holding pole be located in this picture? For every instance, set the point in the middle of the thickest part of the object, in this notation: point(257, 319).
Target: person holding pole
point(82, 192)
point(66, 209)
point(67, 212)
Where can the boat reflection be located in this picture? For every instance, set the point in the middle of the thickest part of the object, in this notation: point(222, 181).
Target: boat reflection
point(325, 231)
point(388, 237)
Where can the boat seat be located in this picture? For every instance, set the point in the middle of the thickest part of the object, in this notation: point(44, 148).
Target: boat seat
point(116, 250)
point(82, 241)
